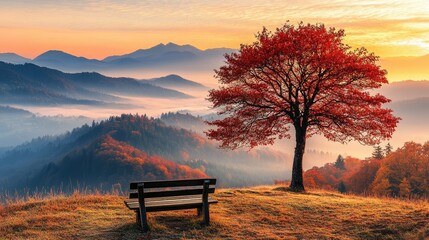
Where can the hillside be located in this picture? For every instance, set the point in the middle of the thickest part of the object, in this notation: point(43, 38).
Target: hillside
point(186, 121)
point(107, 162)
point(252, 213)
point(67, 160)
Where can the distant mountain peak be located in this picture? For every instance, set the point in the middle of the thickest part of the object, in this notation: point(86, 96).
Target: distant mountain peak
point(176, 47)
point(161, 45)
point(156, 50)
point(53, 54)
point(56, 51)
point(174, 81)
point(67, 62)
point(58, 55)
point(14, 58)
point(171, 44)
point(10, 54)
point(174, 76)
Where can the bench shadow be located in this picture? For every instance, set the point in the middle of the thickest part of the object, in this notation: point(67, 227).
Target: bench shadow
point(174, 224)
point(126, 231)
point(186, 221)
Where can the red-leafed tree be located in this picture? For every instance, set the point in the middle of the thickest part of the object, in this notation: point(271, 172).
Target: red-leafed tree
point(302, 77)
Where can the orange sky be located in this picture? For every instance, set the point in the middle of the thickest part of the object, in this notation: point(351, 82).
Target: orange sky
point(96, 29)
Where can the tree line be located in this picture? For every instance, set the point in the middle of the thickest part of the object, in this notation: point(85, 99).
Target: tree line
point(401, 173)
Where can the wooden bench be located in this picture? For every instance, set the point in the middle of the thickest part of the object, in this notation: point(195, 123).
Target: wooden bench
point(152, 196)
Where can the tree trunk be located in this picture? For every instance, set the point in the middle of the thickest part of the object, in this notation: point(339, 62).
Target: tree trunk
point(297, 182)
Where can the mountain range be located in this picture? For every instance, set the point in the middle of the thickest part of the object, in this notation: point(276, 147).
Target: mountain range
point(31, 84)
point(171, 57)
point(405, 90)
point(162, 57)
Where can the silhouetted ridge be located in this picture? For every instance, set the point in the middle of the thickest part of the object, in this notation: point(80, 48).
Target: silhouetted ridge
point(13, 58)
point(158, 58)
point(31, 84)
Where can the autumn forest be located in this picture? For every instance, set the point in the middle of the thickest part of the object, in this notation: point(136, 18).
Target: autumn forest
point(402, 173)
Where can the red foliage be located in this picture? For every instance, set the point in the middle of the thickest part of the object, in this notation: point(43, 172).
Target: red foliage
point(409, 164)
point(329, 176)
point(360, 181)
point(304, 77)
point(154, 166)
point(402, 173)
point(300, 73)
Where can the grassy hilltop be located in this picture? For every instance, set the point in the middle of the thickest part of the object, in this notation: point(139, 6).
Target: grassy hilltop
point(250, 213)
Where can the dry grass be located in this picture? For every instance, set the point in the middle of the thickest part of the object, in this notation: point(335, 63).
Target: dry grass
point(252, 213)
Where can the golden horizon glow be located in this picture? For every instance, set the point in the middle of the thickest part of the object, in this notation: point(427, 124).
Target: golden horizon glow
point(96, 29)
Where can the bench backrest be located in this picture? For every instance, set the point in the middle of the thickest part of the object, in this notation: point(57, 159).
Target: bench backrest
point(169, 188)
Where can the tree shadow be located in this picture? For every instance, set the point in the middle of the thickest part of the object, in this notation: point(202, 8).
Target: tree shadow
point(287, 189)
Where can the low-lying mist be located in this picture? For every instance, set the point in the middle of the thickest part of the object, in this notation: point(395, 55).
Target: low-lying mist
point(412, 127)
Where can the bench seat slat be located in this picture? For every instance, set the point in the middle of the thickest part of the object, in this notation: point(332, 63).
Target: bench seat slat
point(199, 196)
point(168, 204)
point(174, 207)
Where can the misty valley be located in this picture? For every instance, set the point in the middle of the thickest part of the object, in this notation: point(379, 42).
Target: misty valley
point(131, 147)
point(65, 131)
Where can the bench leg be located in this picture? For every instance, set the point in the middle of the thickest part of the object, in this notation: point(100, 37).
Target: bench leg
point(199, 211)
point(142, 208)
point(143, 220)
point(138, 217)
point(205, 198)
point(206, 214)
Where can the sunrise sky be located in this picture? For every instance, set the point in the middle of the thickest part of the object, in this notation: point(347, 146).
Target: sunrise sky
point(96, 29)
